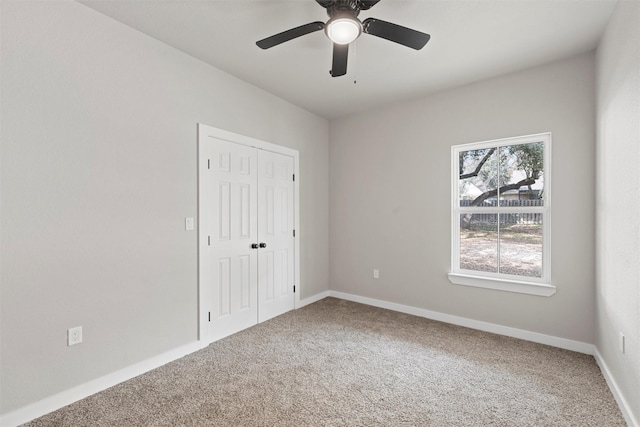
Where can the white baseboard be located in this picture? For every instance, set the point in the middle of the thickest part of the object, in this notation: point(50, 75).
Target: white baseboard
point(57, 401)
point(564, 343)
point(624, 406)
point(314, 298)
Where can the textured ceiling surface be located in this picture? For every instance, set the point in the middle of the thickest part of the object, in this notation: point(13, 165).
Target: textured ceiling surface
point(470, 41)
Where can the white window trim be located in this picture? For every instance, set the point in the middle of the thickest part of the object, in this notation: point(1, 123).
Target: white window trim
point(503, 282)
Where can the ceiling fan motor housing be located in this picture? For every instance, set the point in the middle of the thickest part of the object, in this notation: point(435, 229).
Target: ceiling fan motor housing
point(344, 9)
point(346, 5)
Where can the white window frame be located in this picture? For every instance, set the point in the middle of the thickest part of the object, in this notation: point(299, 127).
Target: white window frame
point(499, 281)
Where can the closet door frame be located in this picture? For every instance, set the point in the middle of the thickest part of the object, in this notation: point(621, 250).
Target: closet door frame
point(206, 132)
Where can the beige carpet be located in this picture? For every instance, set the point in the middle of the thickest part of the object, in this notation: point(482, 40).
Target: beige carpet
point(338, 363)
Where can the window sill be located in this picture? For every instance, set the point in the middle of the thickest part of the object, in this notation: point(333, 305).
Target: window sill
point(540, 289)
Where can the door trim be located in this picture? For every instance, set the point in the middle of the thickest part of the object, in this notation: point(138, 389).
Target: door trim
point(204, 132)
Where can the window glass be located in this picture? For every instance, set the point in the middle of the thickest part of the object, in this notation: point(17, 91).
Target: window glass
point(479, 175)
point(521, 174)
point(521, 244)
point(479, 242)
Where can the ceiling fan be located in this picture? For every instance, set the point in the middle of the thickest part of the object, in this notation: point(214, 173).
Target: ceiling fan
point(343, 27)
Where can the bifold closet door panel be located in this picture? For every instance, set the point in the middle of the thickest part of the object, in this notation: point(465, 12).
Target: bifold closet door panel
point(231, 218)
point(275, 233)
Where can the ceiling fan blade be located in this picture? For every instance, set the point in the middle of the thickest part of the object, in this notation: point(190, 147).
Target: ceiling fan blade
point(340, 55)
point(395, 33)
point(291, 34)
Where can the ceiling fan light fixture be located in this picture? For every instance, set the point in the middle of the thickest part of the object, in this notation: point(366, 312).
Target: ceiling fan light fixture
point(343, 30)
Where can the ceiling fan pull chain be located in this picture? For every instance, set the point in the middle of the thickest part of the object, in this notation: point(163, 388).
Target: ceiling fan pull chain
point(355, 63)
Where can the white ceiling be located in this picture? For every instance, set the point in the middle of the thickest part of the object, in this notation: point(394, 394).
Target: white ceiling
point(470, 41)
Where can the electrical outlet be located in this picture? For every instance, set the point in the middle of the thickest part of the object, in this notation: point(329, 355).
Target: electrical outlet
point(376, 274)
point(74, 336)
point(622, 349)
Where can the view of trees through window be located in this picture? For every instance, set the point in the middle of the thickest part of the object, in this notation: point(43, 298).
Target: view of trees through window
point(501, 192)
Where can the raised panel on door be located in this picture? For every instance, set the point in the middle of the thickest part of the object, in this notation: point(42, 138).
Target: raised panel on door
point(228, 263)
point(275, 229)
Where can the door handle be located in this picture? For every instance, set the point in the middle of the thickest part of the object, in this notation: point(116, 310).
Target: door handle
point(254, 246)
point(263, 245)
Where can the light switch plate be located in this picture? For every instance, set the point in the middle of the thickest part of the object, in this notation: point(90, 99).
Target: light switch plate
point(188, 224)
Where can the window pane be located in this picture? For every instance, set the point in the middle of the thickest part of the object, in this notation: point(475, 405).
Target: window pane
point(521, 174)
point(521, 244)
point(479, 242)
point(478, 178)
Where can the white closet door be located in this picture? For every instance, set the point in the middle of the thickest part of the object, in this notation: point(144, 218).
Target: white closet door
point(229, 265)
point(275, 234)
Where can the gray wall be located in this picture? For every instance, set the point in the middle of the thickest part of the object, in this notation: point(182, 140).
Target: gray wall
point(98, 174)
point(618, 201)
point(390, 196)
